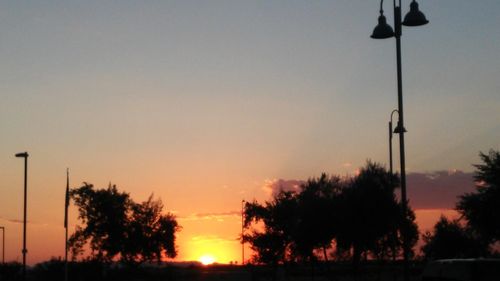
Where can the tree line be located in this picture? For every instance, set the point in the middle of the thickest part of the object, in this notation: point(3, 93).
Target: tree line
point(355, 217)
point(360, 217)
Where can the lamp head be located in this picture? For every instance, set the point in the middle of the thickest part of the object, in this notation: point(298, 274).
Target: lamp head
point(22, 154)
point(399, 129)
point(382, 30)
point(414, 17)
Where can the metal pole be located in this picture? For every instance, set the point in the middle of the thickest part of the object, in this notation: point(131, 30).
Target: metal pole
point(66, 257)
point(3, 244)
point(25, 213)
point(242, 230)
point(390, 149)
point(24, 251)
point(66, 206)
point(397, 25)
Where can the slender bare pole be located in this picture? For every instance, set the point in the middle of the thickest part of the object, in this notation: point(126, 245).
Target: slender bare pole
point(242, 230)
point(25, 251)
point(66, 205)
point(3, 243)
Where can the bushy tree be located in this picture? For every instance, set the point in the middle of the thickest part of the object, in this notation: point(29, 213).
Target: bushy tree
point(104, 214)
point(151, 234)
point(449, 239)
point(278, 217)
point(373, 221)
point(114, 226)
point(481, 209)
point(317, 216)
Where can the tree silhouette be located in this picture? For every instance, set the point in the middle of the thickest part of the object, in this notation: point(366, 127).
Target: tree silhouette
point(451, 240)
point(104, 214)
point(151, 234)
point(373, 220)
point(115, 226)
point(317, 216)
point(279, 218)
point(362, 215)
point(481, 209)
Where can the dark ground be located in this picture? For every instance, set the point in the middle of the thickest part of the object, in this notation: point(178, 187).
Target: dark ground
point(54, 271)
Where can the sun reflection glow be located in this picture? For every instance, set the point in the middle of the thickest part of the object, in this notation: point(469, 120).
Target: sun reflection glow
point(207, 259)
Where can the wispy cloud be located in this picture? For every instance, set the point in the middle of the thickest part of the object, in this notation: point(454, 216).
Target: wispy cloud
point(212, 239)
point(217, 216)
point(18, 221)
point(13, 220)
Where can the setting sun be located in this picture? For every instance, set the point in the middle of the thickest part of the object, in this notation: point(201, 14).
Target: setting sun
point(207, 259)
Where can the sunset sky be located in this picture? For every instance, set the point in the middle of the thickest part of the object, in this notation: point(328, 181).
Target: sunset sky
point(205, 103)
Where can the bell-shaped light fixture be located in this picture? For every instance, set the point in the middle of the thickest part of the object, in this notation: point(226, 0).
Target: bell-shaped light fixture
point(382, 30)
point(399, 129)
point(414, 16)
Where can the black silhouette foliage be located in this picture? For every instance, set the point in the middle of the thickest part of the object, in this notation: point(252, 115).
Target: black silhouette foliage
point(373, 221)
point(360, 215)
point(114, 226)
point(481, 209)
point(450, 240)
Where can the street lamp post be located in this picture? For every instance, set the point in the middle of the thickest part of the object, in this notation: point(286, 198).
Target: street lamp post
point(25, 156)
point(3, 244)
point(383, 31)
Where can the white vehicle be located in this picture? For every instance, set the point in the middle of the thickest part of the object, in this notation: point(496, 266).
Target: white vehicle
point(462, 270)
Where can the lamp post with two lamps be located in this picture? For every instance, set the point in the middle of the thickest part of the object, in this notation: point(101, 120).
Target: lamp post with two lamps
point(382, 31)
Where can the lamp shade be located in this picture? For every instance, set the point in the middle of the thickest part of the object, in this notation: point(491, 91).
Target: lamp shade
point(399, 129)
point(414, 16)
point(382, 30)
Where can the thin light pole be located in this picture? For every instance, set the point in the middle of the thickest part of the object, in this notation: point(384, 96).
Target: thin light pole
point(242, 231)
point(3, 244)
point(25, 251)
point(66, 206)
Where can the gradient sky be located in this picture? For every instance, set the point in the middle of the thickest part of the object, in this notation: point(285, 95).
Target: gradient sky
point(204, 103)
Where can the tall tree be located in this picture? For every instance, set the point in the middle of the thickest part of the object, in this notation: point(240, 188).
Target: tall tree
point(279, 218)
point(104, 214)
point(372, 220)
point(151, 234)
point(481, 209)
point(317, 215)
point(114, 226)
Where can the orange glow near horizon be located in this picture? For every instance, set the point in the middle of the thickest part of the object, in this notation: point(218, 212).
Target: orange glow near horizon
point(207, 259)
point(204, 240)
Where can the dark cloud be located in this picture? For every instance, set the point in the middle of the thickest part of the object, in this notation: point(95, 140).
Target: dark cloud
point(430, 190)
point(273, 187)
point(438, 190)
